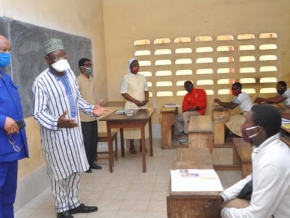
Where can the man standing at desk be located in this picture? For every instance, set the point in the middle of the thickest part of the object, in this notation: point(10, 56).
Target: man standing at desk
point(283, 95)
point(57, 102)
point(270, 193)
point(89, 124)
point(134, 89)
point(194, 104)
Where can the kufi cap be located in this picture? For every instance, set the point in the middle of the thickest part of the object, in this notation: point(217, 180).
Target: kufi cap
point(53, 45)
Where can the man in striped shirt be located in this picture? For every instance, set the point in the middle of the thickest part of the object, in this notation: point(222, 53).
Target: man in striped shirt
point(57, 102)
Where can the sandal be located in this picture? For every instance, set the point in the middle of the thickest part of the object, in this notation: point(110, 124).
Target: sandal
point(132, 149)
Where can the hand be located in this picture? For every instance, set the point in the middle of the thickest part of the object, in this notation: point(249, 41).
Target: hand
point(217, 101)
point(66, 123)
point(10, 126)
point(221, 200)
point(138, 103)
point(98, 110)
point(258, 100)
point(144, 102)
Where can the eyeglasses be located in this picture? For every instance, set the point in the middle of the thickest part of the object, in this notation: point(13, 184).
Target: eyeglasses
point(12, 142)
point(55, 59)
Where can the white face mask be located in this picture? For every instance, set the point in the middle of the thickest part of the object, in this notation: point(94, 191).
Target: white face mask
point(61, 65)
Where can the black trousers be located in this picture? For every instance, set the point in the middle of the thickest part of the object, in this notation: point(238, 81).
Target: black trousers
point(90, 134)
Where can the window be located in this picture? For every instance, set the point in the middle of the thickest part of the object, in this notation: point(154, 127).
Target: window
point(163, 73)
point(204, 60)
point(203, 39)
point(162, 51)
point(204, 71)
point(142, 42)
point(204, 49)
point(225, 48)
point(162, 62)
point(142, 53)
point(182, 39)
point(183, 72)
point(183, 50)
point(162, 41)
point(183, 61)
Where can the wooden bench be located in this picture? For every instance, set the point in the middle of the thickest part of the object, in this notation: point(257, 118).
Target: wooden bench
point(103, 137)
point(242, 156)
point(200, 132)
point(192, 204)
point(220, 116)
point(167, 119)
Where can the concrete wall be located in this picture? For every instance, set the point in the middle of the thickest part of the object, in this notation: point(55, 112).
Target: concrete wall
point(126, 21)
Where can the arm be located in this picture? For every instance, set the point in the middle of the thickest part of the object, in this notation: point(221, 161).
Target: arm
point(230, 105)
point(276, 99)
point(128, 97)
point(268, 191)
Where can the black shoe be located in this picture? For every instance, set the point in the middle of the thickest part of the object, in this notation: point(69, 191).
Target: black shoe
point(95, 167)
point(83, 209)
point(89, 170)
point(65, 214)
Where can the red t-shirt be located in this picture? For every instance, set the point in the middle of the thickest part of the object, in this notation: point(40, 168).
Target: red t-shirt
point(197, 97)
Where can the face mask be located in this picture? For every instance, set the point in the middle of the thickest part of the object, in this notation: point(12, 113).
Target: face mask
point(236, 92)
point(88, 71)
point(188, 89)
point(135, 69)
point(5, 59)
point(61, 65)
point(280, 91)
point(247, 138)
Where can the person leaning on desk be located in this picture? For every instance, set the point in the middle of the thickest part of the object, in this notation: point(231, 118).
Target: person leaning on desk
point(270, 178)
point(283, 94)
point(244, 102)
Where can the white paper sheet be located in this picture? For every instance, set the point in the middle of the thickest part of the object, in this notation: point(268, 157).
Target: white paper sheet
point(188, 180)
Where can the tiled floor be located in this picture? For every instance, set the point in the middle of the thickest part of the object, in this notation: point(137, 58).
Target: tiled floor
point(127, 192)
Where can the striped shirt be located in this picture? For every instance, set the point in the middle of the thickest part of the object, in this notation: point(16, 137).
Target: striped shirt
point(63, 147)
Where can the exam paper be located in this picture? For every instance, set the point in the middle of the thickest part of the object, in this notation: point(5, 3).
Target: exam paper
point(190, 180)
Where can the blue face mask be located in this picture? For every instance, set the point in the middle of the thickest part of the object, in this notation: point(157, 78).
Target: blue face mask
point(5, 59)
point(188, 89)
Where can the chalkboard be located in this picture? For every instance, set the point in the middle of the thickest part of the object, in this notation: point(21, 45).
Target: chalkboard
point(26, 41)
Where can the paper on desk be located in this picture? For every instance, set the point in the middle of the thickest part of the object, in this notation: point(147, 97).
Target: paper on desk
point(187, 180)
point(171, 105)
point(285, 121)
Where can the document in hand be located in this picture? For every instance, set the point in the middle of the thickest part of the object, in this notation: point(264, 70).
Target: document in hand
point(191, 180)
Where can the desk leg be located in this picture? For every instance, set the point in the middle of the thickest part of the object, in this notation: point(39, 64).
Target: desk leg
point(110, 147)
point(143, 148)
point(122, 141)
point(150, 137)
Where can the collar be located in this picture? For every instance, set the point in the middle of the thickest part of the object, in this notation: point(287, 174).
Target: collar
point(266, 142)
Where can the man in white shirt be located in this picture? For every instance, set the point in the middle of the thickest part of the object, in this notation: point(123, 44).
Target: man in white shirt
point(271, 170)
point(283, 94)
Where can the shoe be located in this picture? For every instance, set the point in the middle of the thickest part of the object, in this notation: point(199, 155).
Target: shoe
point(83, 209)
point(95, 167)
point(89, 170)
point(65, 214)
point(182, 137)
point(184, 141)
point(132, 149)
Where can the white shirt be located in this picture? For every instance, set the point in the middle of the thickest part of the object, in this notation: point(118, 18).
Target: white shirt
point(244, 101)
point(286, 94)
point(271, 183)
point(63, 147)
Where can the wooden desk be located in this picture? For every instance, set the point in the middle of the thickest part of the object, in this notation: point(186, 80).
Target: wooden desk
point(242, 156)
point(167, 119)
point(192, 204)
point(138, 120)
point(200, 132)
point(220, 116)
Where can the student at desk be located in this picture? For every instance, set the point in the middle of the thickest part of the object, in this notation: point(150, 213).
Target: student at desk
point(244, 102)
point(283, 94)
point(270, 178)
point(194, 104)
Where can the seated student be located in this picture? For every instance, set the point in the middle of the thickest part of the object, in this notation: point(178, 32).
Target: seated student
point(283, 95)
point(244, 102)
point(270, 192)
point(194, 103)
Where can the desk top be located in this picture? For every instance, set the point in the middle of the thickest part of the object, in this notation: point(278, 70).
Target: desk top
point(168, 109)
point(285, 129)
point(139, 114)
point(200, 124)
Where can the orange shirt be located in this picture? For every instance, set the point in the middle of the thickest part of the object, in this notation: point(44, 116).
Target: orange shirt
point(197, 97)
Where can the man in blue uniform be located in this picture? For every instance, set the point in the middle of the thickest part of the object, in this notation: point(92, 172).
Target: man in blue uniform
point(13, 143)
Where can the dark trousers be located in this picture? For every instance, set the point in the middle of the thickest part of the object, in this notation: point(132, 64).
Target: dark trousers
point(8, 184)
point(90, 134)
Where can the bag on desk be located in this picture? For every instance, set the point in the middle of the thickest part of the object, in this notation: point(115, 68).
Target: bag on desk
point(246, 192)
